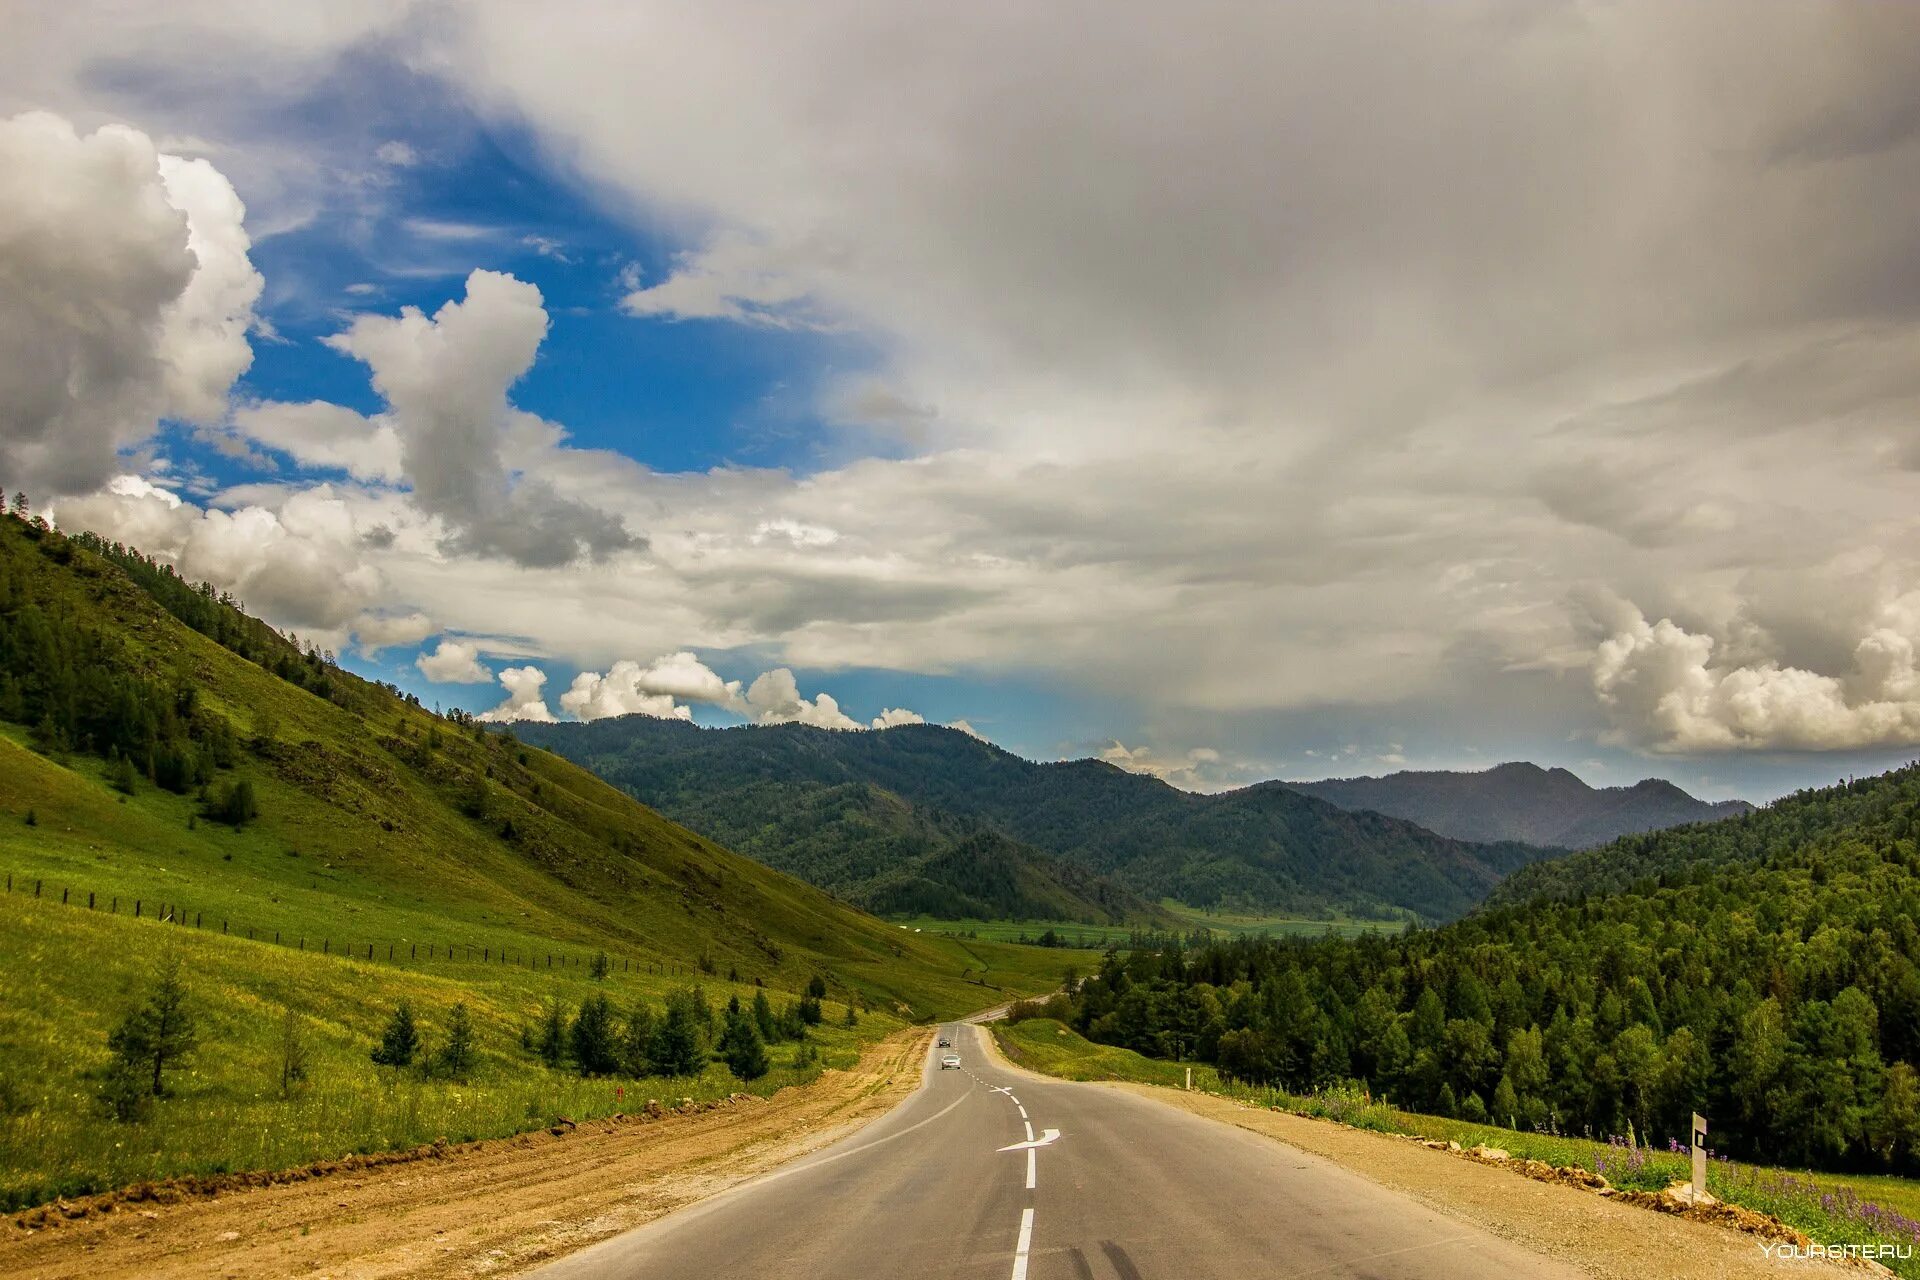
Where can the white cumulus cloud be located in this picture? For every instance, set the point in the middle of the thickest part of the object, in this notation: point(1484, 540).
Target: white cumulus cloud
point(1667, 691)
point(126, 294)
point(523, 701)
point(453, 662)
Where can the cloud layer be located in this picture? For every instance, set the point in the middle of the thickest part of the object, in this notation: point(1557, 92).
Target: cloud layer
point(1278, 361)
point(126, 293)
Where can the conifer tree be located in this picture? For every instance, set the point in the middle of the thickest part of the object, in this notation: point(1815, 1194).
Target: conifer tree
point(596, 1047)
point(153, 1036)
point(676, 1047)
point(456, 1056)
point(740, 1044)
point(400, 1040)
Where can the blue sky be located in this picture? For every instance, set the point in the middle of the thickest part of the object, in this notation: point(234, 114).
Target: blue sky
point(816, 367)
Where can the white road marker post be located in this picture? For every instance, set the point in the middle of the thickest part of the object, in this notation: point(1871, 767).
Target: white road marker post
point(1699, 1157)
point(1189, 1079)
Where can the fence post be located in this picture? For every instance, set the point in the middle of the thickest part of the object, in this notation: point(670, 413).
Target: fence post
point(36, 888)
point(326, 946)
point(63, 897)
point(116, 905)
point(89, 899)
point(136, 908)
point(196, 920)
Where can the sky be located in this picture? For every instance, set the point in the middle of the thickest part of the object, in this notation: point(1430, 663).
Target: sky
point(1226, 391)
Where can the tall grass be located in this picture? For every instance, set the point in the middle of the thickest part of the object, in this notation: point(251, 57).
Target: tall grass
point(69, 974)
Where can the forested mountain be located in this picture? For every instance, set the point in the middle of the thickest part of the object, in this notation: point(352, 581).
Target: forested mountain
point(1522, 802)
point(783, 792)
point(210, 721)
point(1761, 971)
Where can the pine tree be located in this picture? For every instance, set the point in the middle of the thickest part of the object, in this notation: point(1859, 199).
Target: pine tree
point(852, 1019)
point(676, 1047)
point(596, 1049)
point(456, 1056)
point(153, 1036)
point(600, 967)
point(636, 1046)
point(400, 1041)
point(553, 1035)
point(763, 1017)
point(740, 1044)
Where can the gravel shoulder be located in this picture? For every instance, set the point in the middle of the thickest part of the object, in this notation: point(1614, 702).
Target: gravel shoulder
point(1604, 1239)
point(494, 1208)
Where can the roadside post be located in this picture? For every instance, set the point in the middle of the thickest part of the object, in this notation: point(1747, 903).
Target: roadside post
point(1189, 1079)
point(1699, 1157)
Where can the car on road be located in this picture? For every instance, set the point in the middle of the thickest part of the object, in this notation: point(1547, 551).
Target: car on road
point(945, 1043)
point(950, 1060)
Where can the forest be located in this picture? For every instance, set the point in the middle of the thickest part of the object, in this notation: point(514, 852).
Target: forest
point(1760, 971)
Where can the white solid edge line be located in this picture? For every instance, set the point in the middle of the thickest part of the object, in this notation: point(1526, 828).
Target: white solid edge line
point(1030, 1163)
point(1026, 1243)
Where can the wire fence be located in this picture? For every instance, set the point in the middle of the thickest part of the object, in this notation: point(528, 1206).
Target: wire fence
point(408, 951)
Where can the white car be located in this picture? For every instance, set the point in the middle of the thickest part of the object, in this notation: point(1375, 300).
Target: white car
point(950, 1060)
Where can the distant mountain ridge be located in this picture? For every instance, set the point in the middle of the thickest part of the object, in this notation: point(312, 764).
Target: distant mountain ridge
point(877, 816)
point(1521, 801)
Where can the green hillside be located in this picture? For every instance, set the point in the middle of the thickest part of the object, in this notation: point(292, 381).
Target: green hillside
point(802, 798)
point(848, 836)
point(1764, 972)
point(133, 748)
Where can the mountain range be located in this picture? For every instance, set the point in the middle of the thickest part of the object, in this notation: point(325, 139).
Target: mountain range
point(896, 820)
point(1524, 802)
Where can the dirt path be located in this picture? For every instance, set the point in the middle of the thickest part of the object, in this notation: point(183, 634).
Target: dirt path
point(492, 1210)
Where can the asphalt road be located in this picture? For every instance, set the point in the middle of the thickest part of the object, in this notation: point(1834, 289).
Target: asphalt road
point(1119, 1187)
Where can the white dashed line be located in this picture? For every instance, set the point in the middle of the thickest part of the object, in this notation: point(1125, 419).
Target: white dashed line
point(1029, 1168)
point(1029, 1125)
point(1026, 1243)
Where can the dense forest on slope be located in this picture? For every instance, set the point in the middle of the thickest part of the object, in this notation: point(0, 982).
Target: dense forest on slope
point(1265, 848)
point(1874, 809)
point(1771, 986)
point(1524, 802)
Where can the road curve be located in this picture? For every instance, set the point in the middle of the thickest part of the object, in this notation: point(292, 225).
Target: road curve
point(1129, 1189)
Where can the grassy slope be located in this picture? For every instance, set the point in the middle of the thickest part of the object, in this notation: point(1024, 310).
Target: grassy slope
point(1818, 1204)
point(362, 839)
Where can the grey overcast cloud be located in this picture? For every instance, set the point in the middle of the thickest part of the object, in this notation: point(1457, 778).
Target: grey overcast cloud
point(1299, 390)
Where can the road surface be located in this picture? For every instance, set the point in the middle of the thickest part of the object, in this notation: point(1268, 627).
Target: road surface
point(989, 1172)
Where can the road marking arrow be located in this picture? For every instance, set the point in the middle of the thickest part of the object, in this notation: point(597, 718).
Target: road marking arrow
point(1047, 1138)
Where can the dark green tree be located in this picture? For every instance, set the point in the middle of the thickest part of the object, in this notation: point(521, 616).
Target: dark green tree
point(740, 1045)
point(153, 1036)
point(551, 1042)
point(595, 1042)
point(763, 1017)
point(461, 1048)
point(678, 1049)
point(399, 1039)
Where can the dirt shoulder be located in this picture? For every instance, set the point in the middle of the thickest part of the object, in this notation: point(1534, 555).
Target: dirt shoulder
point(1605, 1239)
point(493, 1208)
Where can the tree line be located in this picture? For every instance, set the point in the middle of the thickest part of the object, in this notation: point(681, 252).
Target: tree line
point(160, 1032)
point(1778, 996)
